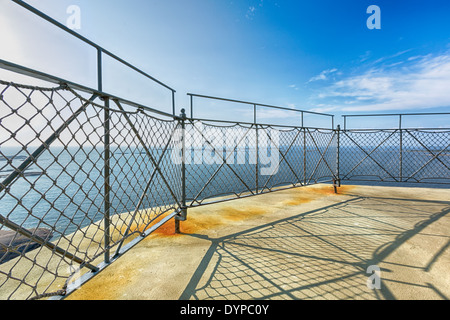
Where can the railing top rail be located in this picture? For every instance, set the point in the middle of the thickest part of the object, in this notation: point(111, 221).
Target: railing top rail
point(399, 115)
point(89, 42)
point(6, 65)
point(395, 114)
point(258, 124)
point(258, 104)
point(434, 130)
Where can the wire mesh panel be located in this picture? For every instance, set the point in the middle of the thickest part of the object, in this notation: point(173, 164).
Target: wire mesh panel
point(286, 154)
point(78, 178)
point(219, 160)
point(321, 156)
point(426, 156)
point(230, 161)
point(371, 155)
point(305, 156)
point(402, 155)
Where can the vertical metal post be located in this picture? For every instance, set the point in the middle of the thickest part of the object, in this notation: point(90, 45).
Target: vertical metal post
point(183, 214)
point(338, 174)
point(173, 103)
point(304, 156)
point(401, 148)
point(192, 107)
point(256, 150)
point(99, 70)
point(107, 186)
point(303, 119)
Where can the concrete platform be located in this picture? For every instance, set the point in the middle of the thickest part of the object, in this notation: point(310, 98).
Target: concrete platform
point(304, 243)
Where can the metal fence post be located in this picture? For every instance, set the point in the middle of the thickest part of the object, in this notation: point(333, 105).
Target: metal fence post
point(304, 156)
point(257, 149)
point(99, 70)
point(337, 182)
point(401, 149)
point(183, 213)
point(173, 102)
point(107, 186)
point(192, 106)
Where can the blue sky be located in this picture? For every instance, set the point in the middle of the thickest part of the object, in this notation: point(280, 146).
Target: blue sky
point(311, 55)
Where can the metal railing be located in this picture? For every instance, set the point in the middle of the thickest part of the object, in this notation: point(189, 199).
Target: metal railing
point(76, 176)
point(100, 52)
point(85, 175)
point(416, 155)
point(85, 179)
point(235, 160)
point(400, 116)
point(76, 165)
point(255, 107)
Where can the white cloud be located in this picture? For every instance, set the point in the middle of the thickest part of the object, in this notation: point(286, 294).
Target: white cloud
point(365, 56)
point(323, 75)
point(323, 108)
point(267, 113)
point(422, 84)
point(392, 56)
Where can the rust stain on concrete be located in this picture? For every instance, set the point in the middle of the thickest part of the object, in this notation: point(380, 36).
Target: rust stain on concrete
point(304, 195)
point(204, 221)
point(114, 283)
point(231, 213)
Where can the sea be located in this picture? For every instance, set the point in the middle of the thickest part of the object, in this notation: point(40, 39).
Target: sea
point(64, 189)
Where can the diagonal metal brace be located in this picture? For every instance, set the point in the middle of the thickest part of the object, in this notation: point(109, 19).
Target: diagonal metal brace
point(369, 155)
point(147, 151)
point(45, 146)
point(14, 226)
point(224, 159)
point(21, 169)
point(322, 156)
point(141, 200)
point(284, 158)
point(435, 156)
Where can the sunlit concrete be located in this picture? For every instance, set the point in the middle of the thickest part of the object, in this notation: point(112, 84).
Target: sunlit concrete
point(304, 243)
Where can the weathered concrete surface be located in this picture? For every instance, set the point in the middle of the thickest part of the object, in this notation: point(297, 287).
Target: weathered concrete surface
point(304, 243)
point(13, 244)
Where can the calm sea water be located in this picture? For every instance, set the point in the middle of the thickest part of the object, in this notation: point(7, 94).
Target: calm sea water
point(64, 189)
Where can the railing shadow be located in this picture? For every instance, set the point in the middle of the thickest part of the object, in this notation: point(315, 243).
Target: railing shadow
point(320, 254)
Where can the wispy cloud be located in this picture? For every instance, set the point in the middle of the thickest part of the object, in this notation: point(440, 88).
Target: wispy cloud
point(419, 83)
point(365, 56)
point(395, 55)
point(323, 75)
point(251, 11)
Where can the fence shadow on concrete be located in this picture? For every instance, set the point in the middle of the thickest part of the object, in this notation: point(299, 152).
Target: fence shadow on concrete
point(325, 254)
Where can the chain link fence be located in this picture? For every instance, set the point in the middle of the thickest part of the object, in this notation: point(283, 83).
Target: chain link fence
point(228, 161)
point(396, 155)
point(75, 181)
point(83, 177)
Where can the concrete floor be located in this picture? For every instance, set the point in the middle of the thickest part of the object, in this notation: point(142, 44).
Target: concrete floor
point(305, 243)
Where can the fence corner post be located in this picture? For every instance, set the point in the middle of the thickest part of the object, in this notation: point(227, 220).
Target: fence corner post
point(182, 216)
